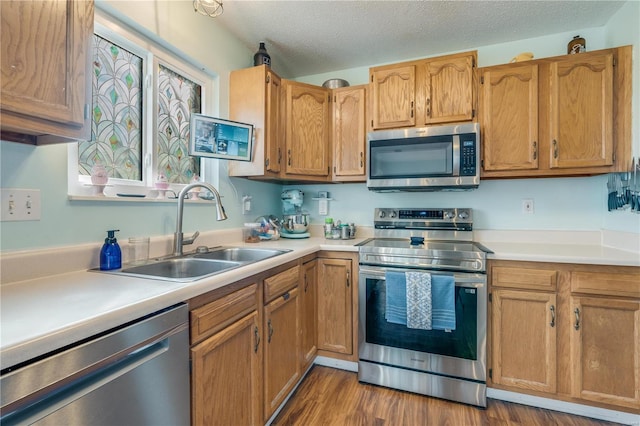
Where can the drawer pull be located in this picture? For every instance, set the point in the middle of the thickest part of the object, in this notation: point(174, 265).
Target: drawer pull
point(577, 324)
point(286, 296)
point(270, 331)
point(256, 333)
point(553, 316)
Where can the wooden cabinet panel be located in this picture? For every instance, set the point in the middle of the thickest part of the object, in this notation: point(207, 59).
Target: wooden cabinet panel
point(524, 339)
point(605, 350)
point(393, 93)
point(335, 311)
point(308, 313)
point(524, 278)
point(256, 97)
point(226, 376)
point(449, 89)
point(277, 284)
point(212, 317)
point(307, 130)
point(281, 350)
point(46, 57)
point(581, 114)
point(349, 133)
point(509, 117)
point(606, 283)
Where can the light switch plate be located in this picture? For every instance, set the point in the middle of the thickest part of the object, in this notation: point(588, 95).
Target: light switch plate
point(19, 204)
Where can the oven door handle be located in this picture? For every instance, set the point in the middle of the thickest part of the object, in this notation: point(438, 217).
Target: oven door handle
point(462, 279)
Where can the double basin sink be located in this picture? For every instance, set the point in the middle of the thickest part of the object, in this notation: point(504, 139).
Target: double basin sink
point(194, 266)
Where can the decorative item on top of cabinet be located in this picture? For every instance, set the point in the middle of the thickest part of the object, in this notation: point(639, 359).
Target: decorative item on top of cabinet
point(46, 77)
point(582, 107)
point(423, 92)
point(307, 154)
point(349, 133)
point(256, 97)
point(581, 342)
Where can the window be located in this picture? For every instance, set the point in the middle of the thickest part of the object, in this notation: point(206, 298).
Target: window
point(142, 100)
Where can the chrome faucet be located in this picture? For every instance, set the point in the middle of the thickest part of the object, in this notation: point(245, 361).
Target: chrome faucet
point(178, 237)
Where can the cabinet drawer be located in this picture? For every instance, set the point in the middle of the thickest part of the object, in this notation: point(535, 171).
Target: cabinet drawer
point(609, 284)
point(535, 279)
point(276, 285)
point(213, 317)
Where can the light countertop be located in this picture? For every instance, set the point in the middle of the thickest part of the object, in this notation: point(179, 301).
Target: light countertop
point(46, 313)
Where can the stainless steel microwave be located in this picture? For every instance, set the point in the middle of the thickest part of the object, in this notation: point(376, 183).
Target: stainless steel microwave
point(437, 158)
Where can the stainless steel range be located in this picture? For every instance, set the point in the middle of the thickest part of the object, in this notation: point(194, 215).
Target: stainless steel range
point(442, 350)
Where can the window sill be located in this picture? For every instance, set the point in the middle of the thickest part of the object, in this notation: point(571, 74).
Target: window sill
point(132, 199)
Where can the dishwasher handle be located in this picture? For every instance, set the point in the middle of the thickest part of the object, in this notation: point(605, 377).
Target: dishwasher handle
point(37, 406)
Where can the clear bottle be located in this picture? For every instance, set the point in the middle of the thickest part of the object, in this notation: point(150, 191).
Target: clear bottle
point(328, 227)
point(261, 56)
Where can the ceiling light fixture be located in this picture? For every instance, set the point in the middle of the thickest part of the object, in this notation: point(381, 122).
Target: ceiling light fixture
point(210, 8)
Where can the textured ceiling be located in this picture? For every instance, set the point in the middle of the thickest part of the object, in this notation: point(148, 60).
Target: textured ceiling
point(311, 37)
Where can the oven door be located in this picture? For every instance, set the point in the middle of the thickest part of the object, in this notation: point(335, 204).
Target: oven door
point(459, 353)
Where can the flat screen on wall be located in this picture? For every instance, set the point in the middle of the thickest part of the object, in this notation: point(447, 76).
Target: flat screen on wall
point(218, 138)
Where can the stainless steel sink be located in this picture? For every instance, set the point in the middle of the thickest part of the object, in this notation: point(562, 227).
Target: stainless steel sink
point(181, 268)
point(240, 254)
point(193, 266)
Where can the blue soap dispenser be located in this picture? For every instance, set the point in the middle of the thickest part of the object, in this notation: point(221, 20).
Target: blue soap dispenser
point(110, 255)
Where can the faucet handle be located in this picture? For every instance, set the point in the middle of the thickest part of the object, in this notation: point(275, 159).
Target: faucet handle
point(191, 239)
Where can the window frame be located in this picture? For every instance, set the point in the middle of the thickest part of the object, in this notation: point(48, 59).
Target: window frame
point(154, 52)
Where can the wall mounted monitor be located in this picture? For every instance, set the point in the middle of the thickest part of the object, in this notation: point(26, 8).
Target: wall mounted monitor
point(212, 137)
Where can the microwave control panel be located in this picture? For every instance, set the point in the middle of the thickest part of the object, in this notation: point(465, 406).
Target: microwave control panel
point(468, 154)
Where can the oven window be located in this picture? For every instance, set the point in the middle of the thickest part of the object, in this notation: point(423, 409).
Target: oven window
point(459, 343)
point(411, 158)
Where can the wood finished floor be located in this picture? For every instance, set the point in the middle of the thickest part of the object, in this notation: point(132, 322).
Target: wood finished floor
point(328, 396)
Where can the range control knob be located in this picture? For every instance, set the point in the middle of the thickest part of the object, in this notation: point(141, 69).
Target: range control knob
point(464, 215)
point(393, 214)
point(450, 214)
point(382, 214)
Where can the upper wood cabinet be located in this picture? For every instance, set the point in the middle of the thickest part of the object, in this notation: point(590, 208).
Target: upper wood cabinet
point(393, 96)
point(568, 115)
point(46, 63)
point(307, 141)
point(423, 92)
point(449, 89)
point(349, 133)
point(509, 117)
point(256, 97)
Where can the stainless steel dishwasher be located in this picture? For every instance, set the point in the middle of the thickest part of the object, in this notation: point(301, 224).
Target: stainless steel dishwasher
point(135, 374)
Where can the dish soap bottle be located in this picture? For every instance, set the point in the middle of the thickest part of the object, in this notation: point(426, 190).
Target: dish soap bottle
point(261, 56)
point(110, 255)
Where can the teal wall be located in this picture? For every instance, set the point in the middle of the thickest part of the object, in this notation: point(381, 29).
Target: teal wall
point(567, 203)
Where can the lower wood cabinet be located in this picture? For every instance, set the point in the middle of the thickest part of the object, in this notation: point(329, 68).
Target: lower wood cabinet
point(567, 331)
point(308, 313)
point(337, 304)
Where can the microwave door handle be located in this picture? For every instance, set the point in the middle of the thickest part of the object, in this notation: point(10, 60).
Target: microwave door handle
point(456, 155)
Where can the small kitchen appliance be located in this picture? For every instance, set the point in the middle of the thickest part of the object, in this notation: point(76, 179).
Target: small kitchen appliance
point(295, 221)
point(446, 359)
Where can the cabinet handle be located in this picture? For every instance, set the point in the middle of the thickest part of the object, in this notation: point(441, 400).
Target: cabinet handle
point(286, 296)
point(553, 316)
point(289, 152)
point(428, 107)
point(348, 279)
point(306, 282)
point(361, 159)
point(256, 333)
point(577, 324)
point(270, 331)
point(555, 148)
point(412, 109)
point(535, 150)
point(279, 155)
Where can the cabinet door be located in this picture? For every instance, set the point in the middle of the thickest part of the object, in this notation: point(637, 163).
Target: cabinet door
point(393, 97)
point(605, 350)
point(509, 117)
point(281, 362)
point(449, 89)
point(307, 130)
point(256, 97)
point(46, 53)
point(308, 291)
point(524, 340)
point(581, 113)
point(349, 134)
point(228, 364)
point(335, 312)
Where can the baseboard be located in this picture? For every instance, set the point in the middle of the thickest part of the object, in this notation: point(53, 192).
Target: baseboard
point(565, 407)
point(336, 363)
